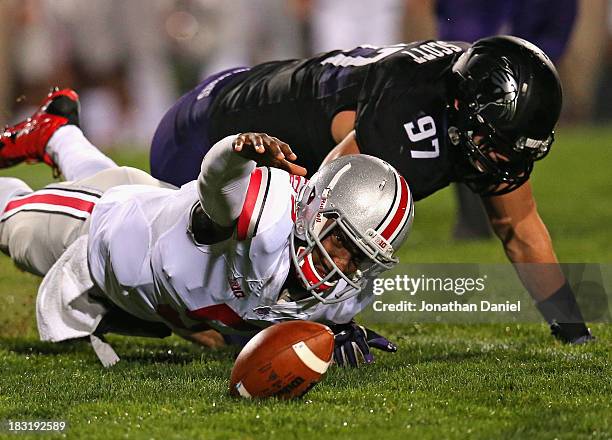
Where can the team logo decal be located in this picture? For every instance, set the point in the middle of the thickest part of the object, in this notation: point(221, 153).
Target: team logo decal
point(505, 92)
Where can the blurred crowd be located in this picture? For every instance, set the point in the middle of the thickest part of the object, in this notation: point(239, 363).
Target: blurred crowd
point(130, 59)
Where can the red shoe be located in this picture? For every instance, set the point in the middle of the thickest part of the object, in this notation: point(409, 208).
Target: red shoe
point(27, 140)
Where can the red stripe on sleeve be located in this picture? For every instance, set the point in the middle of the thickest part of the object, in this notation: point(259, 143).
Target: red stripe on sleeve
point(399, 213)
point(249, 204)
point(52, 199)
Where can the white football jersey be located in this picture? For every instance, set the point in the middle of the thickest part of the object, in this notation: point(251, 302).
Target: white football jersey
point(144, 257)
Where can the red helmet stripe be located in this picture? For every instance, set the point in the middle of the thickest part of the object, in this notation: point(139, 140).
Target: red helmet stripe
point(401, 212)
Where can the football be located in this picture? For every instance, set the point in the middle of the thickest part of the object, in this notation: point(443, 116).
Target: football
point(285, 360)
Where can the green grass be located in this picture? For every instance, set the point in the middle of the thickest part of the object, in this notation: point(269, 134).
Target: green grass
point(446, 381)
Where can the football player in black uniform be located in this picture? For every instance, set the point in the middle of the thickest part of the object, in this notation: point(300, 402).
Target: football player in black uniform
point(438, 111)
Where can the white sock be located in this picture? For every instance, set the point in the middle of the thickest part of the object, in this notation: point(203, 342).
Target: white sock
point(75, 156)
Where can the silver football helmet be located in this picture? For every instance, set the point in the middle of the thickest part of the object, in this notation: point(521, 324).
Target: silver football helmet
point(368, 202)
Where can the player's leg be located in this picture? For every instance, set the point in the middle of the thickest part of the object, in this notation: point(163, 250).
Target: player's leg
point(52, 135)
point(116, 176)
point(182, 137)
point(74, 156)
point(86, 167)
point(37, 226)
point(9, 189)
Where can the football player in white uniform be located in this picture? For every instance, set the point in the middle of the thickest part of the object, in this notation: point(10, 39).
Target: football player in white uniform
point(249, 244)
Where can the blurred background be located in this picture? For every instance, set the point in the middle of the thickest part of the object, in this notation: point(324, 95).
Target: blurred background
point(130, 59)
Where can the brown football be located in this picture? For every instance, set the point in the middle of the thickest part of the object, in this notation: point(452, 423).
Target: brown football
point(284, 360)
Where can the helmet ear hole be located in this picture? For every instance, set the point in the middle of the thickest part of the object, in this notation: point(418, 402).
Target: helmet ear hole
point(311, 196)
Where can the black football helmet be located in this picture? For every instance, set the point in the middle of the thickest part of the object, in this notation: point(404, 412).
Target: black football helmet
point(508, 100)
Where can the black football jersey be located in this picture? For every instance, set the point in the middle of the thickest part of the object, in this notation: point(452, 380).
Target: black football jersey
point(399, 93)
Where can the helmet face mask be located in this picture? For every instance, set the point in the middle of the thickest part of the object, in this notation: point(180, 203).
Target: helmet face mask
point(371, 259)
point(495, 167)
point(334, 206)
point(508, 101)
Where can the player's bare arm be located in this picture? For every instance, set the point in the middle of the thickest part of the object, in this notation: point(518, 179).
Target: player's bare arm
point(515, 220)
point(527, 243)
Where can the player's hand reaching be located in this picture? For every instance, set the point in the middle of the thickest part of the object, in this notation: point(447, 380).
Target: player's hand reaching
point(268, 151)
point(353, 343)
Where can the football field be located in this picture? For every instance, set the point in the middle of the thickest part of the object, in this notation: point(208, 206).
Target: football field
point(446, 381)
